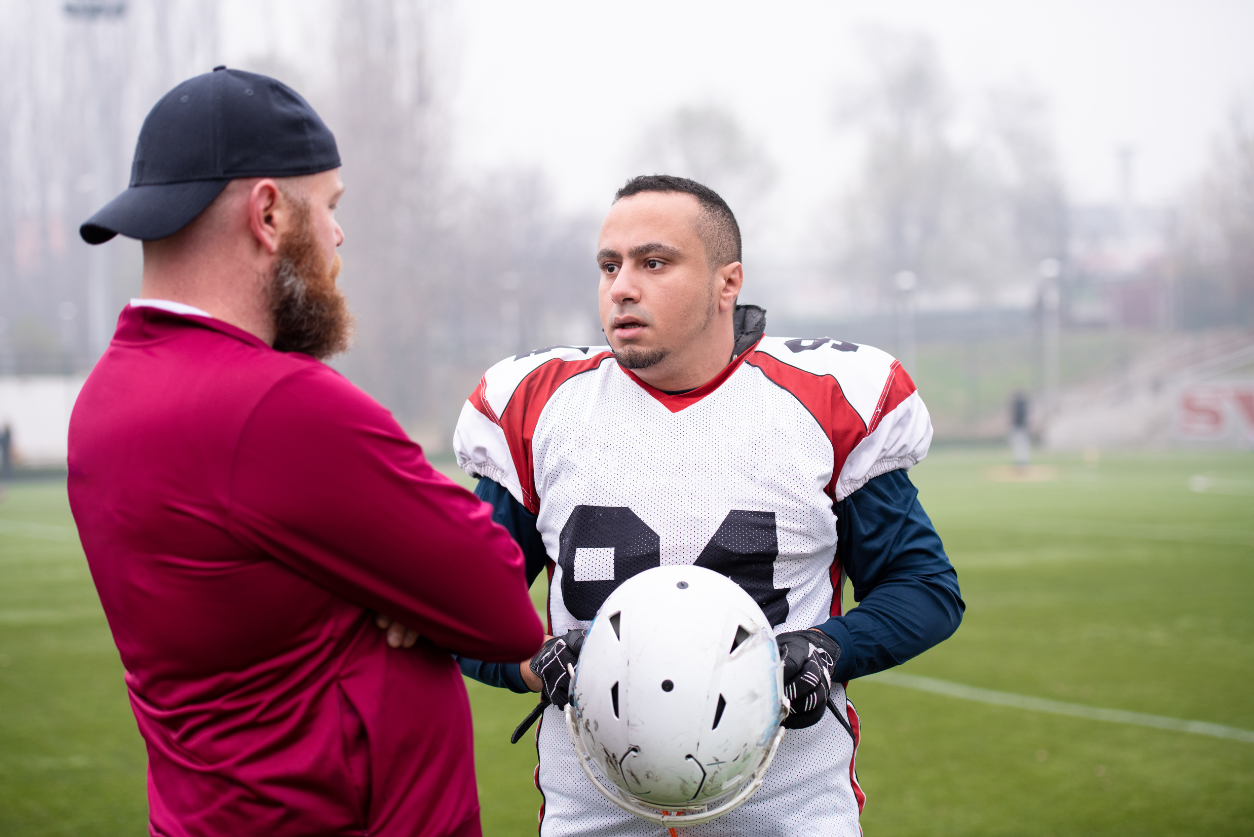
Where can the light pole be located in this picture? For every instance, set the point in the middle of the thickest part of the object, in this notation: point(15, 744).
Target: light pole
point(1051, 329)
point(905, 281)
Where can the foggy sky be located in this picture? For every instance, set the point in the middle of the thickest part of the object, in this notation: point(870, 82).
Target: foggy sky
point(568, 85)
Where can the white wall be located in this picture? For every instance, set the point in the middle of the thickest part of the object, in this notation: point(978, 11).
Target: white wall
point(38, 409)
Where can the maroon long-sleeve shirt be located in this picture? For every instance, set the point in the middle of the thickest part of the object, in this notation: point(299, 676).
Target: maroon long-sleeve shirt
point(243, 511)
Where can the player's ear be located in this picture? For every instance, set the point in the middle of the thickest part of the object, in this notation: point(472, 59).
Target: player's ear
point(729, 279)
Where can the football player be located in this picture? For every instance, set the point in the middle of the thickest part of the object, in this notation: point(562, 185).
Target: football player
point(692, 438)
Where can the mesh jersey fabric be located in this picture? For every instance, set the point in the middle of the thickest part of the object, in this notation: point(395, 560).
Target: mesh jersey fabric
point(810, 790)
point(907, 591)
point(739, 475)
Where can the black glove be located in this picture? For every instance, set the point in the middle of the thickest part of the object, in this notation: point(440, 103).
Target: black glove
point(554, 665)
point(809, 658)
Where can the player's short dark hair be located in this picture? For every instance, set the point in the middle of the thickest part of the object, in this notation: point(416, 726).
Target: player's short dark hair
point(716, 225)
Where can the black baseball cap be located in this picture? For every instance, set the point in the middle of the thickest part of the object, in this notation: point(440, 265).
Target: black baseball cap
point(203, 134)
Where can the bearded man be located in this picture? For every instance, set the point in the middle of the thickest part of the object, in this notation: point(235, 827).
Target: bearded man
point(244, 508)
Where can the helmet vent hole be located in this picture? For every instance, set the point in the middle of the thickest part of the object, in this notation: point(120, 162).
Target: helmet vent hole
point(667, 685)
point(614, 699)
point(741, 636)
point(614, 620)
point(718, 713)
point(683, 585)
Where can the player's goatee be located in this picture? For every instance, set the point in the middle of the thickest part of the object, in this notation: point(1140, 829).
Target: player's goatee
point(310, 311)
point(632, 358)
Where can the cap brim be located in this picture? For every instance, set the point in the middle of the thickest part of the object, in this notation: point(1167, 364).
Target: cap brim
point(151, 212)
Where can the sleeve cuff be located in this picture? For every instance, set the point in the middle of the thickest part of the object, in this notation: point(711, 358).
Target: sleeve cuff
point(847, 664)
point(511, 673)
point(500, 675)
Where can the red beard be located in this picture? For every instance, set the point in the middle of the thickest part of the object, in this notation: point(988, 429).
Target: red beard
point(310, 311)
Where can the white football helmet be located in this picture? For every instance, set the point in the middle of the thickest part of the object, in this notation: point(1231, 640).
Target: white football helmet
point(678, 696)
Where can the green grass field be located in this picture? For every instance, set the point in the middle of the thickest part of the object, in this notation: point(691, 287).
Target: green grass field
point(1108, 585)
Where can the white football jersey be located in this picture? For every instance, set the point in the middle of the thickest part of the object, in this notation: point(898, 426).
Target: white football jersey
point(740, 476)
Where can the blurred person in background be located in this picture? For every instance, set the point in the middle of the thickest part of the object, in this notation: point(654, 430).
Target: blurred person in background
point(244, 508)
point(1020, 441)
point(693, 438)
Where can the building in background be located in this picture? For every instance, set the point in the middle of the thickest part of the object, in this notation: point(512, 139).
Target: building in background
point(1121, 261)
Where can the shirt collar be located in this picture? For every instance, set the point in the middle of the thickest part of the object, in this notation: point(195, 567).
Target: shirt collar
point(678, 401)
point(171, 306)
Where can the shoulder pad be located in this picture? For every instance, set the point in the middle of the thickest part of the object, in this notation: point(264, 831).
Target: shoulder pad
point(493, 435)
point(500, 381)
point(860, 371)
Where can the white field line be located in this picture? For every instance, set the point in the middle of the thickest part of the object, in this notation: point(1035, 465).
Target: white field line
point(1057, 707)
point(25, 617)
point(1203, 484)
point(38, 531)
point(45, 763)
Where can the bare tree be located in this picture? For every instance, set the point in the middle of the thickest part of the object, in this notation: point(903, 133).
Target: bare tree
point(896, 217)
point(961, 214)
point(386, 112)
point(78, 78)
point(1023, 162)
point(1215, 252)
point(445, 276)
point(709, 145)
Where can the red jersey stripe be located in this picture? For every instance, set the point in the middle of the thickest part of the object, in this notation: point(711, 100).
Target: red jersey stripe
point(821, 395)
point(897, 388)
point(678, 401)
point(518, 419)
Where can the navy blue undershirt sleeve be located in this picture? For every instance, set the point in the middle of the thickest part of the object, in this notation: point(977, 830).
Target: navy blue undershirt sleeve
point(906, 588)
point(521, 524)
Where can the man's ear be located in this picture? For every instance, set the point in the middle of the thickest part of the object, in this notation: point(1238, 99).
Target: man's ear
point(731, 277)
point(264, 205)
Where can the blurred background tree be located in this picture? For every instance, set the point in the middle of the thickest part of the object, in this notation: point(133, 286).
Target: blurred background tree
point(1216, 240)
point(708, 144)
point(446, 274)
point(969, 206)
